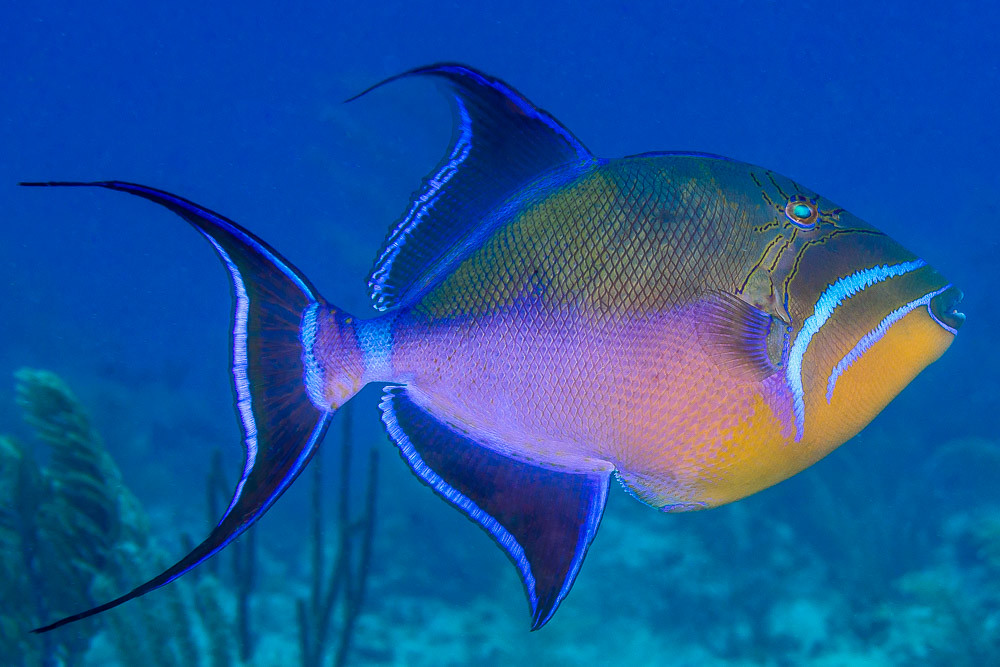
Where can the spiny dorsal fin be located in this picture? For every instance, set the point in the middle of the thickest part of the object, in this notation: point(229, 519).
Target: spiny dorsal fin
point(499, 143)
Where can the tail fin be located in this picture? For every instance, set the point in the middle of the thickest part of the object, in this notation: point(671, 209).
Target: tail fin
point(274, 322)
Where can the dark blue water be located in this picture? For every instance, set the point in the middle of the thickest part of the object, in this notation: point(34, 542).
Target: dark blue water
point(888, 552)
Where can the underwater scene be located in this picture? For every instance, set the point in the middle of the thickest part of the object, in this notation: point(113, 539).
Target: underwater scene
point(133, 400)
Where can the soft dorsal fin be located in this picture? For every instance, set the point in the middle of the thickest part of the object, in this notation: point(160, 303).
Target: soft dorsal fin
point(500, 142)
point(543, 519)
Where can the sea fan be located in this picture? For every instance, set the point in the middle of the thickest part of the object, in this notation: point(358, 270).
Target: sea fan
point(70, 532)
point(80, 518)
point(61, 525)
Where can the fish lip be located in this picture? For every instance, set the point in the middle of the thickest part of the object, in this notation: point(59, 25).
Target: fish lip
point(944, 309)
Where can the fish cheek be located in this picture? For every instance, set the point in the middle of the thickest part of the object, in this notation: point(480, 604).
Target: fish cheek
point(840, 286)
point(805, 274)
point(873, 379)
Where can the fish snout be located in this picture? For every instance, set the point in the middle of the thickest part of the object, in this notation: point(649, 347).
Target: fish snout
point(944, 309)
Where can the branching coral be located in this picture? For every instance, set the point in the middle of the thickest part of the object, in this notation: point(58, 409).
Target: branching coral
point(63, 521)
point(70, 534)
point(345, 587)
point(83, 504)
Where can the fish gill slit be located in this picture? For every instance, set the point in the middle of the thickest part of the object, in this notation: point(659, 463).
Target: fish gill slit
point(760, 262)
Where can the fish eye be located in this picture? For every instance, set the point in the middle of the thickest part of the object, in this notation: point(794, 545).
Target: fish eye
point(801, 212)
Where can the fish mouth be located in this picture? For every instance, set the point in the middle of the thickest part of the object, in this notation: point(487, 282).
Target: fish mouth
point(944, 309)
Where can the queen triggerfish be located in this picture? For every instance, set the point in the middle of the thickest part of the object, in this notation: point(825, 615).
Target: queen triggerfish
point(695, 327)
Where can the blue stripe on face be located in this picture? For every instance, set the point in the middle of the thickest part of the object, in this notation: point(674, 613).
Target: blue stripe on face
point(874, 336)
point(828, 302)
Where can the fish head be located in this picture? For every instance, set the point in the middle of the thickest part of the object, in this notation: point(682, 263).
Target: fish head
point(863, 316)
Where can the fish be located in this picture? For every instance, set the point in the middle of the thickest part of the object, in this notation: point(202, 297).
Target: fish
point(695, 327)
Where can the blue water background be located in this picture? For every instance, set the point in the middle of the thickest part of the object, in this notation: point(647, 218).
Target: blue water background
point(888, 109)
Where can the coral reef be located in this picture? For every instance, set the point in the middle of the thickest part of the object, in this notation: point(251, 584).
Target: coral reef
point(66, 523)
point(72, 534)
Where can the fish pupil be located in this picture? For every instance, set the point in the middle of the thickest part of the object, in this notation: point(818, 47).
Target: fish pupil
point(802, 211)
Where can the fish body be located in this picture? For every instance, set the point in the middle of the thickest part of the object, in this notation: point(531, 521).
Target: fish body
point(697, 327)
point(583, 332)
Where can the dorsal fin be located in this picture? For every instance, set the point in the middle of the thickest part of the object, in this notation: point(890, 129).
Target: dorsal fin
point(500, 142)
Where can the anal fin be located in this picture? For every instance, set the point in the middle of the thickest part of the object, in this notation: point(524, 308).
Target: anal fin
point(543, 519)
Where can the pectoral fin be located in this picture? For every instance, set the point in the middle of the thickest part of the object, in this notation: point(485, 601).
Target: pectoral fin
point(544, 520)
point(742, 338)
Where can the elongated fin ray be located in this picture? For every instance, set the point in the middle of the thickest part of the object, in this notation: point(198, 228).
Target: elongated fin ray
point(281, 427)
point(500, 143)
point(544, 520)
